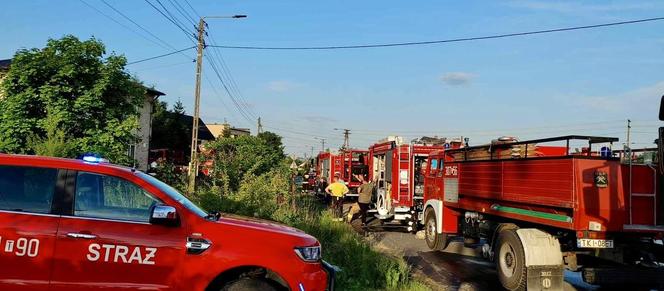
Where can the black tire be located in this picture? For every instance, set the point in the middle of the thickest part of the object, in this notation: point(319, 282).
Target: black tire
point(511, 261)
point(249, 284)
point(435, 241)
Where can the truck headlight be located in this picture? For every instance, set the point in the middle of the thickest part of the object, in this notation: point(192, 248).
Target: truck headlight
point(309, 254)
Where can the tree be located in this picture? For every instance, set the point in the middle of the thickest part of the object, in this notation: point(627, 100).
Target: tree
point(178, 107)
point(69, 91)
point(169, 128)
point(273, 140)
point(240, 157)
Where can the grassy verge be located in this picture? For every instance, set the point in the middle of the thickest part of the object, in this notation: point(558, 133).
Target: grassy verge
point(363, 267)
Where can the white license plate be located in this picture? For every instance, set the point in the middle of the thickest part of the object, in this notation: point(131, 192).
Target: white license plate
point(594, 243)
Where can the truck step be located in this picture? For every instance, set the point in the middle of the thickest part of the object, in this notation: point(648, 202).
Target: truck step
point(383, 217)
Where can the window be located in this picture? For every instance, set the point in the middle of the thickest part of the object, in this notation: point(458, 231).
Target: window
point(170, 191)
point(434, 164)
point(27, 189)
point(108, 197)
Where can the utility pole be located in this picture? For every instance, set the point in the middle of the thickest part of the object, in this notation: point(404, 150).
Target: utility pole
point(628, 145)
point(628, 152)
point(322, 141)
point(193, 163)
point(346, 139)
point(259, 127)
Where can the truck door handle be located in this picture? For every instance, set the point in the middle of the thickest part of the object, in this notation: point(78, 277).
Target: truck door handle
point(196, 246)
point(81, 235)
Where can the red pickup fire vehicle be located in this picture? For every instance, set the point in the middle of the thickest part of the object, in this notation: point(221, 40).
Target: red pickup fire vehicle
point(88, 225)
point(537, 210)
point(398, 169)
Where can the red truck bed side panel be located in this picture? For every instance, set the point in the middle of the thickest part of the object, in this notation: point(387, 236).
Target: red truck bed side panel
point(541, 182)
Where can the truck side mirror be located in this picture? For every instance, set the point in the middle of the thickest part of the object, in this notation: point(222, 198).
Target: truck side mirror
point(164, 215)
point(661, 109)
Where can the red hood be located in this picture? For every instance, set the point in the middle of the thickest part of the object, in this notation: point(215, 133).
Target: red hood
point(266, 225)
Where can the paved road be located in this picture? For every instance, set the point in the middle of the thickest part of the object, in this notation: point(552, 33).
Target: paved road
point(455, 268)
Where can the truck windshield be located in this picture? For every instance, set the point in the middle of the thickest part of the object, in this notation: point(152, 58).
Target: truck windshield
point(175, 194)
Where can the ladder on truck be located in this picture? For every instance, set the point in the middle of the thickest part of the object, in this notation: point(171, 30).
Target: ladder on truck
point(642, 190)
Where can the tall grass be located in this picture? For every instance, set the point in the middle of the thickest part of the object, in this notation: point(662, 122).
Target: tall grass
point(363, 268)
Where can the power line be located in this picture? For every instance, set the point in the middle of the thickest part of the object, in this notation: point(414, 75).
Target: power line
point(230, 94)
point(137, 25)
point(173, 17)
point(192, 8)
point(293, 131)
point(160, 56)
point(183, 12)
point(214, 89)
point(123, 25)
point(162, 66)
point(189, 34)
point(333, 47)
point(571, 126)
point(229, 76)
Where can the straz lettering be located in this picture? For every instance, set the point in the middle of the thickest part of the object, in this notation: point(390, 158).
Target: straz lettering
point(121, 254)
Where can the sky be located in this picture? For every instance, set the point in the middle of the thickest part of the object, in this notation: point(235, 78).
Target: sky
point(579, 82)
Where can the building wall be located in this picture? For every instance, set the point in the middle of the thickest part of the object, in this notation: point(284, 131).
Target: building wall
point(2, 77)
point(218, 129)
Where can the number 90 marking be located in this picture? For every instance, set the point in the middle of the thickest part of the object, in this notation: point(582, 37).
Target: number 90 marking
point(27, 247)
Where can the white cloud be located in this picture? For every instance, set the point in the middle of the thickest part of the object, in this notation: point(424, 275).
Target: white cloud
point(457, 78)
point(282, 86)
point(639, 100)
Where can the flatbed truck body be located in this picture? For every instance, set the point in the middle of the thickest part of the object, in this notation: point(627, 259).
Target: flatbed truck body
point(523, 196)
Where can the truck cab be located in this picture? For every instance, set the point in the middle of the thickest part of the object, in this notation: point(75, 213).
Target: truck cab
point(398, 169)
point(88, 225)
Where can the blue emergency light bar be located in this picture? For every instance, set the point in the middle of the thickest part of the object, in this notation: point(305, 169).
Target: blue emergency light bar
point(93, 158)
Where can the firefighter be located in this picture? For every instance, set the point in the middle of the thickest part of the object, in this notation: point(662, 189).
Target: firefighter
point(365, 191)
point(337, 190)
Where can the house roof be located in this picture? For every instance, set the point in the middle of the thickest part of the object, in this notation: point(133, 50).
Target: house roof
point(4, 64)
point(154, 92)
point(203, 131)
point(217, 129)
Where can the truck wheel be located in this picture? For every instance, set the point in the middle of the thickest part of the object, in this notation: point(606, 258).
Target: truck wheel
point(249, 284)
point(436, 241)
point(511, 261)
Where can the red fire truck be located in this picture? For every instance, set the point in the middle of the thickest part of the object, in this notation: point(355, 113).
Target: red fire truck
point(346, 164)
point(398, 169)
point(537, 210)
